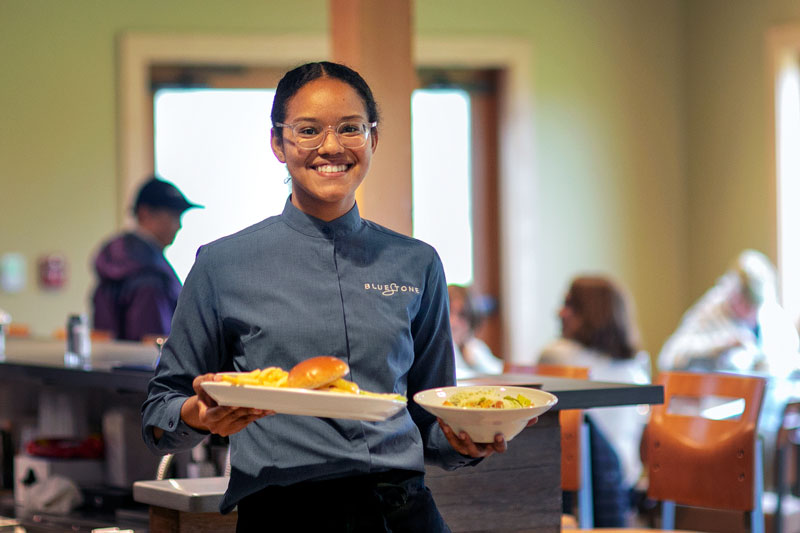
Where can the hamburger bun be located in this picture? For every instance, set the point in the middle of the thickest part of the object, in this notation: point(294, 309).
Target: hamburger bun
point(316, 372)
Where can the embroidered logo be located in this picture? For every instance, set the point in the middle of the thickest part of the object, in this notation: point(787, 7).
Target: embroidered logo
point(390, 289)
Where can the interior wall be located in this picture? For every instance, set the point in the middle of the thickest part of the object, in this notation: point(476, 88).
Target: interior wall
point(732, 191)
point(608, 105)
point(638, 108)
point(58, 140)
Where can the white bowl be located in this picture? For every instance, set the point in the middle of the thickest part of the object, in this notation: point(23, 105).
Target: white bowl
point(483, 424)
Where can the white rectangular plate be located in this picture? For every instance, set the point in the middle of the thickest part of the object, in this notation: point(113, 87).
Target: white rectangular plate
point(304, 401)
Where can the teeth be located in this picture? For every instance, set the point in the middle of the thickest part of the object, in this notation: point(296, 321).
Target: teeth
point(332, 168)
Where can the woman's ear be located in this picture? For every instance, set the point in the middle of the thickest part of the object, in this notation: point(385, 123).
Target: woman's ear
point(276, 141)
point(373, 138)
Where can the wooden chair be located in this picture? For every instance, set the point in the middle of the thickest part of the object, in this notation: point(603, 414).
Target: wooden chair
point(18, 331)
point(787, 465)
point(576, 464)
point(700, 462)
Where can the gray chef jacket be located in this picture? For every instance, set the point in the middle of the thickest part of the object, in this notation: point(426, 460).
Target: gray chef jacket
point(292, 287)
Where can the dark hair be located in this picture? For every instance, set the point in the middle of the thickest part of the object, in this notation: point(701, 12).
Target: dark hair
point(607, 324)
point(296, 78)
point(476, 308)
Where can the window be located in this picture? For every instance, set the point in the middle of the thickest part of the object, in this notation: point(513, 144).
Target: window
point(783, 46)
point(214, 145)
point(441, 183)
point(238, 179)
point(788, 167)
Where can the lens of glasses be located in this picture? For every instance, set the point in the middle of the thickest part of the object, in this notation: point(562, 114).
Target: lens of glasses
point(350, 134)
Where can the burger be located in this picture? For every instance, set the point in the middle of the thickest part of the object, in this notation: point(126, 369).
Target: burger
point(317, 372)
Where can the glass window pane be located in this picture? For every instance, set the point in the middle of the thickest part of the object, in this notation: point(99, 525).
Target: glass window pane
point(214, 145)
point(788, 136)
point(442, 205)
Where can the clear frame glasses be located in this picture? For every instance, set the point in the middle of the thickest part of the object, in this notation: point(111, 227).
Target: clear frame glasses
point(310, 135)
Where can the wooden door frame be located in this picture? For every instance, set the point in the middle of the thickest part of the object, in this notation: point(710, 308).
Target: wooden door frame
point(517, 169)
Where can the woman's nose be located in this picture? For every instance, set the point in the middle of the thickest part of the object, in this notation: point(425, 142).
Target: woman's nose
point(330, 142)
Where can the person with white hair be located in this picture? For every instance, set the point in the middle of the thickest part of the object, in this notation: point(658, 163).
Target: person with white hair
point(737, 325)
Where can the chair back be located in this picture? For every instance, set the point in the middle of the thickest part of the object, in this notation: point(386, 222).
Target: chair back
point(570, 420)
point(17, 330)
point(697, 461)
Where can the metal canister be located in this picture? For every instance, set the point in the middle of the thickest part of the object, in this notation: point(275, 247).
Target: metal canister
point(78, 352)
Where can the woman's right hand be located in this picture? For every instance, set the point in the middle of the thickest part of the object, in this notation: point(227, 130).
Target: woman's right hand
point(202, 412)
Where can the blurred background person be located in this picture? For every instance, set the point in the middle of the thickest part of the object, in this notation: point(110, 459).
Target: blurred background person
point(737, 325)
point(598, 331)
point(473, 356)
point(137, 288)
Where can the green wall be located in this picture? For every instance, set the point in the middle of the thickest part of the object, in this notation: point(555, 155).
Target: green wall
point(649, 119)
point(58, 142)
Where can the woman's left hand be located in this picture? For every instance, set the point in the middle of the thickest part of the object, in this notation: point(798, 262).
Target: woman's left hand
point(463, 444)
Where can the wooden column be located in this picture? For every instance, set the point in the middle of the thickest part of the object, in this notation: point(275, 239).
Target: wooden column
point(374, 38)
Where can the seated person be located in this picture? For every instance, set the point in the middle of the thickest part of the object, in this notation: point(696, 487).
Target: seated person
point(737, 325)
point(473, 356)
point(598, 332)
point(137, 288)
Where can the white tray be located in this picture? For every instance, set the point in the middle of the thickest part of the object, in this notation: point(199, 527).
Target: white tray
point(304, 401)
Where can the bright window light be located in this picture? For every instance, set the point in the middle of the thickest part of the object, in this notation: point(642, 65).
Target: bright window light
point(442, 205)
point(213, 144)
point(788, 162)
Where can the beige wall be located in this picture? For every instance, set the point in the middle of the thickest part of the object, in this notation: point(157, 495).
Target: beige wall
point(642, 112)
point(731, 194)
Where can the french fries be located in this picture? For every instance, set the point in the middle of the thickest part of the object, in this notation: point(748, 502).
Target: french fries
point(274, 376)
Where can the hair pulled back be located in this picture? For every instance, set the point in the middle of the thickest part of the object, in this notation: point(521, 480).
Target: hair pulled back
point(607, 321)
point(298, 77)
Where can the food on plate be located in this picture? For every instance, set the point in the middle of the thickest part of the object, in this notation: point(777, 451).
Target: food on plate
point(486, 399)
point(323, 373)
point(272, 376)
point(317, 372)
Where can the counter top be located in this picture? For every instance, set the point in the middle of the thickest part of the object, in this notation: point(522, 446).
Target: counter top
point(198, 495)
point(579, 393)
point(118, 365)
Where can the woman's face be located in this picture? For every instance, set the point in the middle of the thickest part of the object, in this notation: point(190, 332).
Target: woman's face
point(324, 180)
point(571, 321)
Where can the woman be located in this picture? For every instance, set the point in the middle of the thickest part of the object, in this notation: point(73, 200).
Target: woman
point(598, 332)
point(304, 283)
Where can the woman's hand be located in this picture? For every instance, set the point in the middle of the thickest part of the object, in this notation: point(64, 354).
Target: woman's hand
point(463, 444)
point(202, 412)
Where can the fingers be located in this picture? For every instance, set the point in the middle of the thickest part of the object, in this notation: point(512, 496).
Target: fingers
point(464, 445)
point(201, 392)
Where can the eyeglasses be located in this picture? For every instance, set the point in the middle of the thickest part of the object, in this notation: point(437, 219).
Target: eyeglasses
point(311, 135)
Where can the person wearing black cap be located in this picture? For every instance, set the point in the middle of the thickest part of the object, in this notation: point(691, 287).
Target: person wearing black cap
point(137, 288)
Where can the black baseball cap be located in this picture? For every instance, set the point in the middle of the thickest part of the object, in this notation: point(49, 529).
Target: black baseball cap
point(156, 192)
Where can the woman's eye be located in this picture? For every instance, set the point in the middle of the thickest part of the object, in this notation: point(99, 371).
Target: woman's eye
point(307, 131)
point(350, 129)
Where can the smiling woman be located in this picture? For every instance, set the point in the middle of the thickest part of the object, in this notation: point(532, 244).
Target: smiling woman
point(292, 286)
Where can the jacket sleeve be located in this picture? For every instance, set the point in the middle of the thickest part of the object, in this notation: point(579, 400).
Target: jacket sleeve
point(194, 347)
point(434, 366)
